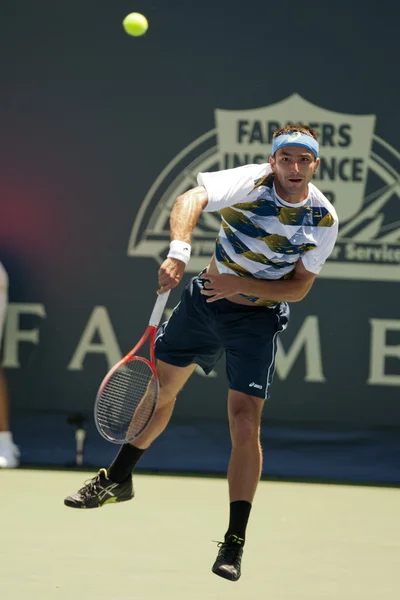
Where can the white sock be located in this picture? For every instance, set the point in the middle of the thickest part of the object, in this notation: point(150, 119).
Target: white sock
point(6, 436)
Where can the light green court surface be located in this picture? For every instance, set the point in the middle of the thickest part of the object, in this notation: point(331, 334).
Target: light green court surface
point(304, 542)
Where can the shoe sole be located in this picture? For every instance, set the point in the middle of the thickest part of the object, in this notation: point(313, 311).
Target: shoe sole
point(225, 574)
point(72, 504)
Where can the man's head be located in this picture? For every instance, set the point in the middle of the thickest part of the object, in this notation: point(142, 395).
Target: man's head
point(294, 160)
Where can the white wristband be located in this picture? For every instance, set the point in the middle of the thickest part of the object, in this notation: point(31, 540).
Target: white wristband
point(179, 250)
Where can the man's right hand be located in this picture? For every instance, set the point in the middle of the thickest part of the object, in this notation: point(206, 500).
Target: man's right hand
point(169, 274)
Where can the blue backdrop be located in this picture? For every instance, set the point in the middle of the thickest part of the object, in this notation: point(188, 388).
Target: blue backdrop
point(101, 131)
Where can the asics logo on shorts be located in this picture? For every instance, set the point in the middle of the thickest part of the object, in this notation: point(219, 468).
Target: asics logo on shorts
point(255, 385)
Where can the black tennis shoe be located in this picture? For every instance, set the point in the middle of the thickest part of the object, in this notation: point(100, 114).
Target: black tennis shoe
point(229, 558)
point(100, 490)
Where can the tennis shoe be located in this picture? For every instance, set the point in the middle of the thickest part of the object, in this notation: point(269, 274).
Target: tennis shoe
point(9, 455)
point(101, 490)
point(229, 559)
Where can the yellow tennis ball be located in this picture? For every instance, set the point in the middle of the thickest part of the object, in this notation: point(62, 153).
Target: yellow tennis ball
point(135, 24)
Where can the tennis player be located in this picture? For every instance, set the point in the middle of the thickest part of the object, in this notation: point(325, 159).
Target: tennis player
point(9, 453)
point(277, 230)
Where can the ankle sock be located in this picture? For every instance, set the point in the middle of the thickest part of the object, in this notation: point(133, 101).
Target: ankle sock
point(238, 517)
point(123, 464)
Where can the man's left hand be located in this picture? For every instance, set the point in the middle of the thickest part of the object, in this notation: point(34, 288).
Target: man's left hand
point(220, 286)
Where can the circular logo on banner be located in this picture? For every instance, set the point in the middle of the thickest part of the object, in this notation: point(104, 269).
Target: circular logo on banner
point(359, 173)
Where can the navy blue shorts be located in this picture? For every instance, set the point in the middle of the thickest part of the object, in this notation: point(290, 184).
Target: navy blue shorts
point(200, 333)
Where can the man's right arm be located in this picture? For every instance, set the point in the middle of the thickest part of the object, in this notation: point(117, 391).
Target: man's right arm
point(184, 216)
point(186, 212)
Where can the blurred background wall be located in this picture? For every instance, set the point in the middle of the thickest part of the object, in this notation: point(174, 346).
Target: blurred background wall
point(100, 132)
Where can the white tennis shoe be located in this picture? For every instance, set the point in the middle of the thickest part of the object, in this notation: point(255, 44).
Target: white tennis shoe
point(9, 452)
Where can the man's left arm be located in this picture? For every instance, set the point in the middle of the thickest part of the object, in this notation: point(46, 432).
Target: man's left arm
point(289, 290)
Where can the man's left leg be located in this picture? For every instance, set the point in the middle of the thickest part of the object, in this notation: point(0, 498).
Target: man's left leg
point(244, 473)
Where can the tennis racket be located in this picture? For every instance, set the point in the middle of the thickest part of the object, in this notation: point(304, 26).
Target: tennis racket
point(127, 397)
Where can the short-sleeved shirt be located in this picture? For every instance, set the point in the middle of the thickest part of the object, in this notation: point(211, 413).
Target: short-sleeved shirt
point(261, 235)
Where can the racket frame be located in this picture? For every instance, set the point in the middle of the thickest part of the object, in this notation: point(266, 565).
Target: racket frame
point(150, 333)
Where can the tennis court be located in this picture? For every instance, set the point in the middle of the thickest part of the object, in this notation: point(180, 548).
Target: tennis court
point(305, 541)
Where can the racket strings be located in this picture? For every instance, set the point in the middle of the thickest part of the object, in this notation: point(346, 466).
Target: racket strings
point(127, 401)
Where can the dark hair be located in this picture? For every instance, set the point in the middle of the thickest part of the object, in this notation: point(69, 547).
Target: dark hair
point(299, 127)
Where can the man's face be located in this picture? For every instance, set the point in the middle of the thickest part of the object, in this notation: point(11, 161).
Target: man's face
point(293, 167)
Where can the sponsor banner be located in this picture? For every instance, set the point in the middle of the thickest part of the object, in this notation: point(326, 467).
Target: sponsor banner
point(359, 173)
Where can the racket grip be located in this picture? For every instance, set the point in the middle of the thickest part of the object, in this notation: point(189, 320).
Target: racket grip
point(158, 309)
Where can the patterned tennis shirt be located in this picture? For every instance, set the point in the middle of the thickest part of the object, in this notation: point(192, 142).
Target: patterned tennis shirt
point(261, 235)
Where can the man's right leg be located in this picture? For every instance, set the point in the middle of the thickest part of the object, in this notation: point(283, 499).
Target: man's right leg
point(115, 484)
point(172, 379)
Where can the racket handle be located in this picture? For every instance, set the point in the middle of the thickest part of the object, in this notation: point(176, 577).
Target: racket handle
point(158, 309)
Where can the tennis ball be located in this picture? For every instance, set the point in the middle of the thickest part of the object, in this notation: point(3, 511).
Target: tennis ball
point(135, 24)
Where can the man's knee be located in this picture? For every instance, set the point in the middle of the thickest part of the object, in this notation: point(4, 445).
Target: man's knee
point(172, 379)
point(244, 418)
